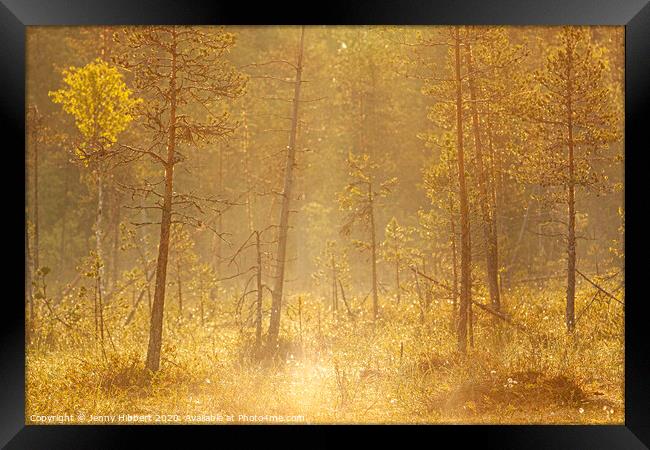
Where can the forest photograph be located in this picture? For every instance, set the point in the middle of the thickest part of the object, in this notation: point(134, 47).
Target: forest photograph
point(324, 225)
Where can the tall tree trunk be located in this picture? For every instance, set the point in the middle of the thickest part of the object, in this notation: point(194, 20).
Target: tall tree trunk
point(143, 255)
point(64, 217)
point(37, 261)
point(399, 291)
point(495, 175)
point(373, 249)
point(100, 306)
point(179, 286)
point(520, 237)
point(470, 304)
point(218, 240)
point(335, 289)
point(422, 302)
point(247, 173)
point(258, 315)
point(156, 326)
point(33, 256)
point(115, 254)
point(465, 269)
point(201, 301)
point(571, 235)
point(99, 224)
point(487, 211)
point(454, 252)
point(276, 305)
point(28, 288)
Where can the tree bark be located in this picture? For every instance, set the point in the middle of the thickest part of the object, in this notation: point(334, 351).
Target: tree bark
point(258, 315)
point(64, 218)
point(495, 174)
point(247, 173)
point(373, 244)
point(115, 254)
point(454, 252)
point(36, 215)
point(487, 211)
point(28, 289)
point(179, 286)
point(143, 255)
point(276, 306)
point(465, 253)
point(99, 223)
point(571, 235)
point(33, 257)
point(335, 289)
point(156, 325)
point(397, 284)
point(217, 243)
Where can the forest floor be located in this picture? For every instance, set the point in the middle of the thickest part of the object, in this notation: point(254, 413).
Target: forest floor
point(340, 371)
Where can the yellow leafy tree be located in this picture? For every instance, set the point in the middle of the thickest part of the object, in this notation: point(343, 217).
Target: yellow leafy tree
point(102, 106)
point(100, 102)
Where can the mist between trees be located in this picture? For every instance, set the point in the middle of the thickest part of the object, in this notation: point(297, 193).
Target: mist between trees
point(412, 223)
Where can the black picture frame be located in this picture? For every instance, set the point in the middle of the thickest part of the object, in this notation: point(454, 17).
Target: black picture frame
point(16, 15)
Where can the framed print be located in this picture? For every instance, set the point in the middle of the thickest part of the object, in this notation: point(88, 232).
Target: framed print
point(368, 214)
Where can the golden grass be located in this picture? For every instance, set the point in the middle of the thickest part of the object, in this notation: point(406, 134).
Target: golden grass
point(340, 371)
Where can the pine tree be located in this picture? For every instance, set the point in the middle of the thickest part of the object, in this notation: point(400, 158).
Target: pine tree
point(175, 67)
point(572, 124)
point(395, 249)
point(287, 192)
point(360, 199)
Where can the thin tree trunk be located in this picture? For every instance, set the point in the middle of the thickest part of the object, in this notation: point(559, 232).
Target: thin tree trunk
point(522, 229)
point(258, 315)
point(495, 171)
point(144, 290)
point(32, 257)
point(571, 238)
point(427, 293)
point(96, 311)
point(156, 326)
point(64, 217)
point(28, 289)
point(217, 238)
point(422, 301)
point(37, 261)
point(99, 223)
point(335, 289)
point(491, 256)
point(247, 173)
point(373, 244)
point(115, 254)
point(465, 269)
point(470, 312)
point(100, 307)
point(454, 252)
point(300, 321)
point(179, 286)
point(143, 256)
point(397, 284)
point(276, 306)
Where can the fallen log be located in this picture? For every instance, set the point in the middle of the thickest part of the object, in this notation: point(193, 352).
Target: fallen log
point(599, 288)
